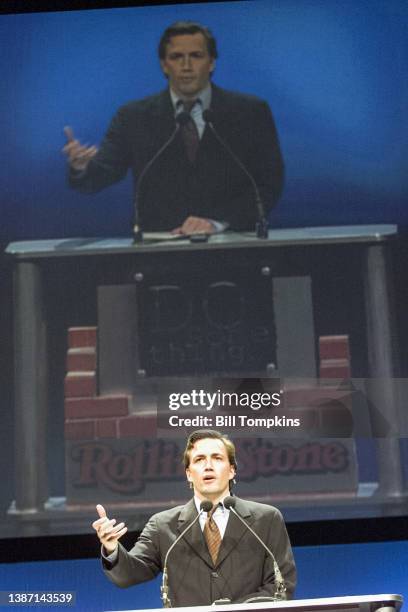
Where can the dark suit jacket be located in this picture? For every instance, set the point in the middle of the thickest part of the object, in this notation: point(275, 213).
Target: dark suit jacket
point(173, 188)
point(243, 568)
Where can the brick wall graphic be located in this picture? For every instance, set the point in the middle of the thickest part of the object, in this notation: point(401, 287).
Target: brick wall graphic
point(88, 415)
point(113, 452)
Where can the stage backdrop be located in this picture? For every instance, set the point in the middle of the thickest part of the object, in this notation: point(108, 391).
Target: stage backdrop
point(334, 74)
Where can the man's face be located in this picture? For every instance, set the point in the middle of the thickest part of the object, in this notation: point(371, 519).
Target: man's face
point(210, 470)
point(187, 64)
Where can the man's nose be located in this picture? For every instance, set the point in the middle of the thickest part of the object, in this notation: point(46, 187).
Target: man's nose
point(186, 62)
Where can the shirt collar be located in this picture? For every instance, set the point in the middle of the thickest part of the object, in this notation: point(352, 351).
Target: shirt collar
point(204, 95)
point(220, 505)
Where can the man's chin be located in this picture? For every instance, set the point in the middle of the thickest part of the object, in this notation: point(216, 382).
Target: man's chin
point(188, 89)
point(211, 489)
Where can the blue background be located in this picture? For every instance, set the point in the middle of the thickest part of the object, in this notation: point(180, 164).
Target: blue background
point(333, 71)
point(325, 571)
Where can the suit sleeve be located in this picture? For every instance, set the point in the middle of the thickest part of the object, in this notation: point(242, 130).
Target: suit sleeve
point(141, 563)
point(111, 162)
point(278, 542)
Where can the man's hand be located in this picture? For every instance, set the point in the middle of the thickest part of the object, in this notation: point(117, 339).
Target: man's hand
point(108, 533)
point(195, 225)
point(78, 155)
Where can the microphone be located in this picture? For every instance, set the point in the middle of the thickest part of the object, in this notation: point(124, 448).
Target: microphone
point(280, 587)
point(205, 506)
point(262, 223)
point(181, 119)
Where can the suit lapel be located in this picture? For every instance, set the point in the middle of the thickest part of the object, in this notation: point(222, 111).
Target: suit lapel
point(218, 104)
point(194, 536)
point(235, 530)
point(163, 116)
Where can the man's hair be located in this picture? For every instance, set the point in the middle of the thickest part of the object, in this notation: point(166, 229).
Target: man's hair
point(179, 28)
point(203, 434)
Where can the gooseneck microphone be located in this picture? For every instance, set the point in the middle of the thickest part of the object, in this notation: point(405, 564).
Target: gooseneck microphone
point(261, 228)
point(205, 506)
point(280, 587)
point(181, 119)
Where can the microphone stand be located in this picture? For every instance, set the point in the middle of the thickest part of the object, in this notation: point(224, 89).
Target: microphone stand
point(261, 226)
point(181, 118)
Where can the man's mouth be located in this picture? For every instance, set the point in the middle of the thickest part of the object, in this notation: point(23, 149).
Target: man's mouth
point(209, 478)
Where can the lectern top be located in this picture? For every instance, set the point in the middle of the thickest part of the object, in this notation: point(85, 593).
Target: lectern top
point(325, 604)
point(157, 242)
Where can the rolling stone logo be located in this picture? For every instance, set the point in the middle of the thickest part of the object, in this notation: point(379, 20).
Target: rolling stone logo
point(95, 464)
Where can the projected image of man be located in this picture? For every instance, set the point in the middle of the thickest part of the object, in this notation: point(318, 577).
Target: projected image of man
point(186, 180)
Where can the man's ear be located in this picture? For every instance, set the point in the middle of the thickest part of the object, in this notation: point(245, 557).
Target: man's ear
point(163, 67)
point(188, 475)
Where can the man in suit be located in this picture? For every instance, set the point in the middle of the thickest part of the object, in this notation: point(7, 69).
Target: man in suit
point(194, 184)
point(218, 558)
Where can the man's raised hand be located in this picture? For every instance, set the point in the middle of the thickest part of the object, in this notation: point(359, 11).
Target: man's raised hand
point(107, 530)
point(78, 155)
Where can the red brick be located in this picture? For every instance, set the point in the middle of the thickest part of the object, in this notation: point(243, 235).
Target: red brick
point(81, 359)
point(334, 347)
point(82, 384)
point(106, 428)
point(137, 426)
point(80, 337)
point(94, 407)
point(80, 430)
point(334, 368)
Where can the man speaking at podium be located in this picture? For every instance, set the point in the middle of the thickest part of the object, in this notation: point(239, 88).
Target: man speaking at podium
point(203, 158)
point(215, 548)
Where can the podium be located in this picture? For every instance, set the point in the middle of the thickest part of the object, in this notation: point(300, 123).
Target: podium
point(361, 603)
point(77, 267)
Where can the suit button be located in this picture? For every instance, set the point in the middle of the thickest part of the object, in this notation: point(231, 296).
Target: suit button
point(214, 575)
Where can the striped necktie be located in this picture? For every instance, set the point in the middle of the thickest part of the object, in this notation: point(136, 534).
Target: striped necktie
point(189, 132)
point(212, 535)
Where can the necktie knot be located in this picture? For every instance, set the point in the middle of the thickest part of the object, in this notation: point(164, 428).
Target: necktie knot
point(213, 511)
point(188, 105)
point(210, 518)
